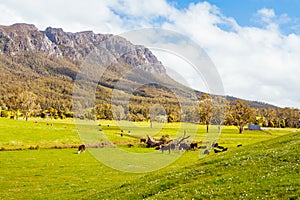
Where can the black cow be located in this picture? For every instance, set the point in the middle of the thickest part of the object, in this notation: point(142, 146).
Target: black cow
point(206, 152)
point(225, 149)
point(165, 148)
point(217, 151)
point(239, 145)
point(214, 145)
point(194, 145)
point(81, 148)
point(143, 140)
point(183, 146)
point(172, 146)
point(129, 145)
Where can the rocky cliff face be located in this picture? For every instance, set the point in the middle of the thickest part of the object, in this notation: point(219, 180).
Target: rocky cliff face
point(19, 38)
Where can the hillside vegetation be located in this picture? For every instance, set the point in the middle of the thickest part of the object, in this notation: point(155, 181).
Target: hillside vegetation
point(42, 75)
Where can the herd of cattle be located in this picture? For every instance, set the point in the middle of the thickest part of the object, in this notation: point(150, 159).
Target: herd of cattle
point(176, 146)
point(184, 146)
point(179, 144)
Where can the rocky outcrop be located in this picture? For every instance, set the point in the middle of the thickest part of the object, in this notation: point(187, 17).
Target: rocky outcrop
point(18, 38)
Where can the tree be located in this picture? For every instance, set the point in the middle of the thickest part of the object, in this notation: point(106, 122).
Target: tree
point(13, 102)
point(206, 110)
point(229, 119)
point(242, 114)
point(28, 103)
point(171, 118)
point(52, 112)
point(118, 112)
point(219, 111)
point(269, 115)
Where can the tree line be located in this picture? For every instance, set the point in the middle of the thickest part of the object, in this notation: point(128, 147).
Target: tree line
point(212, 110)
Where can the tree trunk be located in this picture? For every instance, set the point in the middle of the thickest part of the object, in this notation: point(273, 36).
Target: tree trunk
point(207, 128)
point(241, 129)
point(26, 116)
point(219, 129)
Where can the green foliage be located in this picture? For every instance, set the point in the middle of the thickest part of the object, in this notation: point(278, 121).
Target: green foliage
point(49, 80)
point(242, 114)
point(4, 113)
point(171, 118)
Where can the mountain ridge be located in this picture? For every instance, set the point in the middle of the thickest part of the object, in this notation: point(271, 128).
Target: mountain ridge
point(74, 46)
point(48, 61)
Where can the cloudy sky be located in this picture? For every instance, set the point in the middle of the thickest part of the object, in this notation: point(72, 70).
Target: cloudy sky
point(254, 44)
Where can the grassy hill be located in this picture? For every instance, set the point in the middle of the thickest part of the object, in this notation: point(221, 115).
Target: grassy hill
point(266, 170)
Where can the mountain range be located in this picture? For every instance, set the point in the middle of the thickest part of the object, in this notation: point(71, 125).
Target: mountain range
point(47, 63)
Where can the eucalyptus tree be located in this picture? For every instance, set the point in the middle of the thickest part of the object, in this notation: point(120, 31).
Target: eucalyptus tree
point(242, 114)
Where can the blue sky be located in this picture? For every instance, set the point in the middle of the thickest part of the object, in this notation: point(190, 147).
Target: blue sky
point(254, 44)
point(243, 11)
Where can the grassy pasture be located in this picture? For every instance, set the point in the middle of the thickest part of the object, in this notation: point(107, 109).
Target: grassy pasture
point(267, 166)
point(19, 134)
point(48, 133)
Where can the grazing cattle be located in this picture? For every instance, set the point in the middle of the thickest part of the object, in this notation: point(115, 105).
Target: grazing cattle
point(217, 151)
point(152, 143)
point(214, 144)
point(121, 134)
point(239, 145)
point(183, 146)
point(81, 148)
point(194, 145)
point(172, 146)
point(221, 148)
point(129, 145)
point(225, 149)
point(143, 140)
point(206, 152)
point(202, 147)
point(165, 148)
point(157, 148)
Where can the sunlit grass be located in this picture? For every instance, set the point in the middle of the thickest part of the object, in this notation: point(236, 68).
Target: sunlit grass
point(266, 166)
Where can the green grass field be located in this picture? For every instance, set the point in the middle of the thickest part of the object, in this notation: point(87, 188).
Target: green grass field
point(266, 167)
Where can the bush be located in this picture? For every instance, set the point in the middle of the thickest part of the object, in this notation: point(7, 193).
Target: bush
point(4, 113)
point(43, 115)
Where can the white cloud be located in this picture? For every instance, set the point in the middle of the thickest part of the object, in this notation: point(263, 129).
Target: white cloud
point(70, 15)
point(266, 14)
point(259, 63)
point(10, 16)
point(254, 63)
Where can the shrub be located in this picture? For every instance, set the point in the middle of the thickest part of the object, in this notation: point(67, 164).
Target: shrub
point(4, 113)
